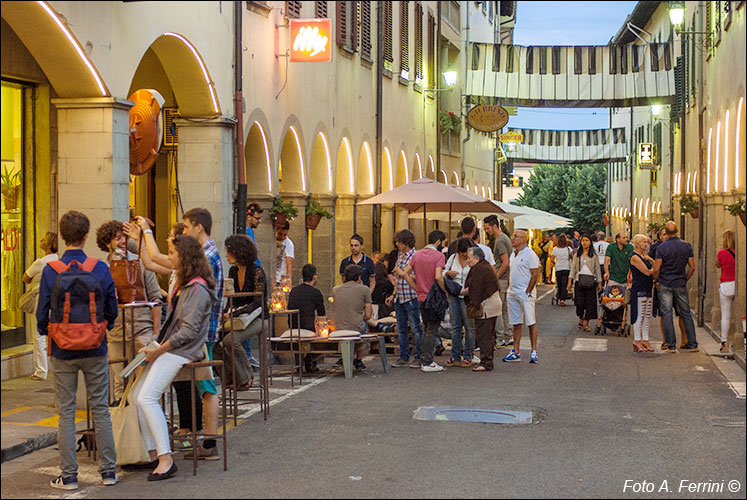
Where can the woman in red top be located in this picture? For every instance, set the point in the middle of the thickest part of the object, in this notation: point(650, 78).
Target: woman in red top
point(726, 261)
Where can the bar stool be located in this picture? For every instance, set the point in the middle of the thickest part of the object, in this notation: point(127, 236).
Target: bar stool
point(295, 364)
point(264, 392)
point(192, 436)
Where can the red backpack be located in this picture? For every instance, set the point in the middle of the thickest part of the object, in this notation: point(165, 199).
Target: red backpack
point(76, 318)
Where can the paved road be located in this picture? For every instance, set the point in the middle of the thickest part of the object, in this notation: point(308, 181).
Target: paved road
point(604, 417)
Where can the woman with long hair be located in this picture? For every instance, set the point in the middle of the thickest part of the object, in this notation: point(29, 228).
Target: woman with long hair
point(641, 293)
point(180, 342)
point(726, 261)
point(585, 275)
point(457, 268)
point(561, 258)
point(241, 253)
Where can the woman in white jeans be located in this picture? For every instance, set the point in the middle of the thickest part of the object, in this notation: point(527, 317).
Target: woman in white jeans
point(641, 293)
point(726, 260)
point(181, 341)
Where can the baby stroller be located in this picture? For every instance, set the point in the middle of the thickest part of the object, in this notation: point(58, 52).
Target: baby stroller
point(614, 307)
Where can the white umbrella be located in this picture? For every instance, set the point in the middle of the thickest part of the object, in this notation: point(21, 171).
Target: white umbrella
point(543, 222)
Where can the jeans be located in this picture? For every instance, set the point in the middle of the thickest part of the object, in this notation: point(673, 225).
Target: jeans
point(667, 298)
point(408, 311)
point(235, 341)
point(147, 395)
point(96, 374)
point(641, 325)
point(430, 338)
point(459, 319)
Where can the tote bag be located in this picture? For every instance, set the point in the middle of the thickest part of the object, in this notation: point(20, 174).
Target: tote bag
point(128, 440)
point(128, 277)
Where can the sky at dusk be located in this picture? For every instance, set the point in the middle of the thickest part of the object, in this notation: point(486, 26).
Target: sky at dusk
point(566, 23)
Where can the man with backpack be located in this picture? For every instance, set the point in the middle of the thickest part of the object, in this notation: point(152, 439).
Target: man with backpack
point(77, 304)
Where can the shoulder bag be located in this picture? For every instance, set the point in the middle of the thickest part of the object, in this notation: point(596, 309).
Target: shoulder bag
point(128, 277)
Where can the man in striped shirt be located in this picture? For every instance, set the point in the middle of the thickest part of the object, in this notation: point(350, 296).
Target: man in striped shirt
point(405, 300)
point(198, 223)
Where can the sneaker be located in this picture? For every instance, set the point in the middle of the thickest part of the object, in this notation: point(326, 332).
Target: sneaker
point(500, 344)
point(475, 360)
point(204, 454)
point(401, 363)
point(433, 367)
point(453, 362)
point(510, 342)
point(670, 350)
point(358, 365)
point(689, 348)
point(533, 357)
point(415, 363)
point(65, 483)
point(439, 350)
point(512, 356)
point(109, 478)
point(254, 362)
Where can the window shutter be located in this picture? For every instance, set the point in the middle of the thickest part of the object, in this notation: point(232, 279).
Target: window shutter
point(418, 41)
point(342, 25)
point(388, 52)
point(292, 10)
point(321, 10)
point(366, 29)
point(431, 52)
point(355, 25)
point(404, 41)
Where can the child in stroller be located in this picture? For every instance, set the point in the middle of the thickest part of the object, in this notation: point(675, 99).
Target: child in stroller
point(614, 306)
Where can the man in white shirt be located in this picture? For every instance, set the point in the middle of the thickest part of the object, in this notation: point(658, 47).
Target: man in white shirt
point(600, 248)
point(522, 293)
point(489, 258)
point(286, 253)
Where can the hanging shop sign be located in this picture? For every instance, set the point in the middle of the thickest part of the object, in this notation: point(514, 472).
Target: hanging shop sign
point(645, 155)
point(511, 137)
point(486, 118)
point(310, 40)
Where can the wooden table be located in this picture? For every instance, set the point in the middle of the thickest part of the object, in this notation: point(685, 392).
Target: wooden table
point(325, 345)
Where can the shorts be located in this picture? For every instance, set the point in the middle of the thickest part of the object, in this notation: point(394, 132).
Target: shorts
point(207, 386)
point(521, 308)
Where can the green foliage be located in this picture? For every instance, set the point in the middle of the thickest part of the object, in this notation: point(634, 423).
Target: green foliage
point(656, 227)
point(449, 121)
point(315, 208)
point(574, 191)
point(281, 207)
point(736, 208)
point(10, 180)
point(688, 203)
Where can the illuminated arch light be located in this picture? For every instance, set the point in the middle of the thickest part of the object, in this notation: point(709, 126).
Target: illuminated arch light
point(718, 156)
point(404, 159)
point(329, 161)
point(456, 178)
point(391, 173)
point(443, 172)
point(490, 193)
point(658, 208)
point(370, 167)
point(695, 178)
point(420, 166)
point(210, 84)
point(466, 186)
point(300, 158)
point(640, 209)
point(708, 162)
point(476, 189)
point(635, 204)
point(737, 152)
point(688, 182)
point(648, 201)
point(483, 191)
point(68, 34)
point(350, 163)
point(432, 165)
point(267, 155)
point(726, 152)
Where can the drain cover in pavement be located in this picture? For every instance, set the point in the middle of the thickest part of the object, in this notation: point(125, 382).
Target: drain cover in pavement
point(445, 413)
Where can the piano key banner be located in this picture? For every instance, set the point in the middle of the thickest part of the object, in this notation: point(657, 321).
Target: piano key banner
point(572, 76)
point(570, 146)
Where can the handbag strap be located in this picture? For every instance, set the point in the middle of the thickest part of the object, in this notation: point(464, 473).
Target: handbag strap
point(130, 387)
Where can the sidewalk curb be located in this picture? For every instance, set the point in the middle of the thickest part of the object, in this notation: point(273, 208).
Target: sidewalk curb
point(739, 359)
point(29, 446)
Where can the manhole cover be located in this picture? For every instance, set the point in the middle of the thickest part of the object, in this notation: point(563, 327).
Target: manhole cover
point(447, 414)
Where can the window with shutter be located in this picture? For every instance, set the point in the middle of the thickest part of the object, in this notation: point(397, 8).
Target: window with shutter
point(293, 10)
point(366, 30)
point(431, 65)
point(404, 40)
point(654, 51)
point(418, 42)
point(342, 22)
point(321, 10)
point(355, 15)
point(388, 52)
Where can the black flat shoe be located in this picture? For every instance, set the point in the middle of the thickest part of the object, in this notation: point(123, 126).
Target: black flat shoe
point(141, 466)
point(154, 476)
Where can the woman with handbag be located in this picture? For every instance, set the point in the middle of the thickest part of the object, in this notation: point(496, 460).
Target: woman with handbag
point(483, 305)
point(561, 259)
point(641, 293)
point(458, 268)
point(587, 279)
point(180, 342)
point(29, 300)
point(245, 320)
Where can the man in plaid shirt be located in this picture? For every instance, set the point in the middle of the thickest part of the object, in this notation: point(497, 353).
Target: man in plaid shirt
point(198, 223)
point(406, 303)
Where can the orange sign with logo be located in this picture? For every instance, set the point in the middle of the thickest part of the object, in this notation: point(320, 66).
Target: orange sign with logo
point(310, 40)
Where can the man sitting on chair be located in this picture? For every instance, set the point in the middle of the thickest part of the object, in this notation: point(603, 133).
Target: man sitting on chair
point(353, 308)
point(310, 302)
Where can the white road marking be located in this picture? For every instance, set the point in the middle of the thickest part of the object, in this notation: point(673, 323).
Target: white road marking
point(739, 388)
point(282, 398)
point(594, 345)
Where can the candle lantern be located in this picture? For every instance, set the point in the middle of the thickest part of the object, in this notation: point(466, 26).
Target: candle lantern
point(321, 325)
point(285, 284)
point(278, 300)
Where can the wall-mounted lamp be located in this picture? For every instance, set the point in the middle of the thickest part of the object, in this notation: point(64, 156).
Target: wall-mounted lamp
point(450, 78)
point(677, 18)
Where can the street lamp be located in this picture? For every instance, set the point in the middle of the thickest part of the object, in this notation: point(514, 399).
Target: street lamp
point(450, 78)
point(655, 109)
point(677, 14)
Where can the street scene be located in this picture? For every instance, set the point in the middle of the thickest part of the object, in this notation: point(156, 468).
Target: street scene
point(375, 248)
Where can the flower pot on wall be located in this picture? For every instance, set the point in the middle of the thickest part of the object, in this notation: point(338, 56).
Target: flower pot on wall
point(695, 213)
point(312, 221)
point(280, 220)
point(743, 218)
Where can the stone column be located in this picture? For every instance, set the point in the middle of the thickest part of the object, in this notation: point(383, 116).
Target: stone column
point(297, 234)
point(323, 246)
point(205, 162)
point(364, 226)
point(93, 161)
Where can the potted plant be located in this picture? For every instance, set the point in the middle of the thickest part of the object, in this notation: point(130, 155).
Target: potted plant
point(11, 187)
point(656, 227)
point(282, 211)
point(445, 121)
point(314, 213)
point(689, 205)
point(738, 208)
